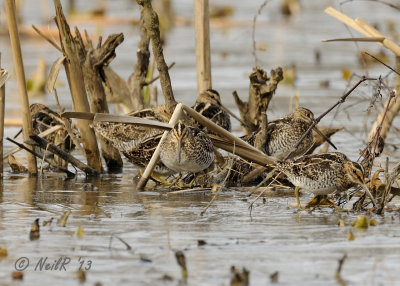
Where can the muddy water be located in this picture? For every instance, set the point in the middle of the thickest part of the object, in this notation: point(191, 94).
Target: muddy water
point(304, 248)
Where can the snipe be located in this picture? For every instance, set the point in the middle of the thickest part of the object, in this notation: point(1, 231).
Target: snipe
point(208, 104)
point(187, 149)
point(323, 174)
point(44, 118)
point(137, 143)
point(282, 134)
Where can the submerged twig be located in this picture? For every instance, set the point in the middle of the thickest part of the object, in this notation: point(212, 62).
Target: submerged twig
point(22, 146)
point(128, 247)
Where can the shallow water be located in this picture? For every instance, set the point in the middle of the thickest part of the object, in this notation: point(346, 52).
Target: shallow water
point(303, 247)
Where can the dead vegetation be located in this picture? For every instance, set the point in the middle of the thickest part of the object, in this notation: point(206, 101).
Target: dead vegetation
point(243, 163)
point(92, 83)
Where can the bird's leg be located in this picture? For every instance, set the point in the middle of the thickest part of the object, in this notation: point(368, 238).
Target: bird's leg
point(321, 201)
point(314, 202)
point(160, 180)
point(331, 203)
point(296, 191)
point(176, 180)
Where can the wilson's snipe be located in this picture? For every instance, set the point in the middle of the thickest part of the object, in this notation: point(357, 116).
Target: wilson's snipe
point(44, 118)
point(323, 174)
point(208, 104)
point(282, 134)
point(137, 143)
point(187, 149)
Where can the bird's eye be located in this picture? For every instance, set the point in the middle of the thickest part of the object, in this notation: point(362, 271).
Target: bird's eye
point(354, 171)
point(212, 96)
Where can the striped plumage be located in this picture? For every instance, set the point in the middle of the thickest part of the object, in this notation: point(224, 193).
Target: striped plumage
point(137, 143)
point(282, 134)
point(208, 104)
point(44, 118)
point(187, 149)
point(322, 174)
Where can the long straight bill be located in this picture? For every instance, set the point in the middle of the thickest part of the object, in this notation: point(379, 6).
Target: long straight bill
point(323, 136)
point(365, 188)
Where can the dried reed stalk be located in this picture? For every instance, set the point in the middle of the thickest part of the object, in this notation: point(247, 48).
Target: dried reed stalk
point(3, 78)
point(44, 144)
point(19, 69)
point(202, 36)
point(118, 119)
point(229, 143)
point(364, 28)
point(74, 73)
point(176, 115)
point(22, 146)
point(137, 80)
point(43, 134)
point(152, 26)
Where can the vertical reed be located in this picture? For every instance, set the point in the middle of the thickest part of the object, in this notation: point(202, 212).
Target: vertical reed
point(19, 69)
point(74, 73)
point(2, 103)
point(202, 35)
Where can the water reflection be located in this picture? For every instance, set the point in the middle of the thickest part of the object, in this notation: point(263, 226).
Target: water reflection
point(303, 247)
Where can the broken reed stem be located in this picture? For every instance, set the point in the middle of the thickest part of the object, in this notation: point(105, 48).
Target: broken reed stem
point(152, 26)
point(363, 28)
point(137, 79)
point(22, 146)
point(75, 78)
point(19, 70)
point(202, 36)
point(318, 119)
point(42, 134)
point(226, 134)
point(44, 144)
point(176, 115)
point(234, 144)
point(2, 105)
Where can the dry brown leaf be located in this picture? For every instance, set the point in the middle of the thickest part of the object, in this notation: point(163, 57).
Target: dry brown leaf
point(55, 68)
